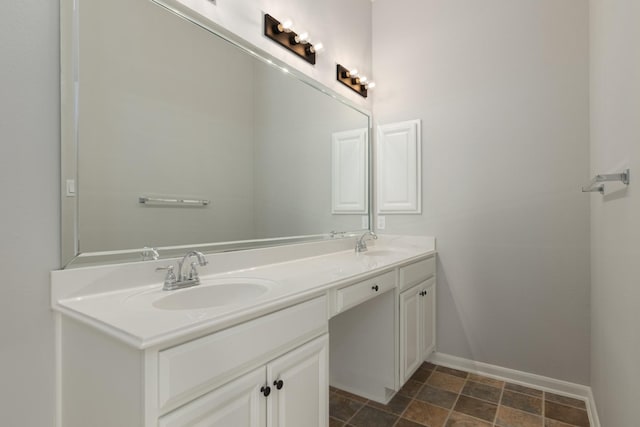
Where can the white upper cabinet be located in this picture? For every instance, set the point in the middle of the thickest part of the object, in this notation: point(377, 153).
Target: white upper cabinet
point(398, 168)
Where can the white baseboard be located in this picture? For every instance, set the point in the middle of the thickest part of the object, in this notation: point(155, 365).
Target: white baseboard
point(565, 388)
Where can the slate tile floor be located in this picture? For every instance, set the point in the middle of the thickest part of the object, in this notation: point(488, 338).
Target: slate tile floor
point(437, 396)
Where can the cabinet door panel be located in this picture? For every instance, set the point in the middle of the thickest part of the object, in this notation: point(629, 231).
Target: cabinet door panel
point(410, 329)
point(303, 398)
point(238, 403)
point(428, 320)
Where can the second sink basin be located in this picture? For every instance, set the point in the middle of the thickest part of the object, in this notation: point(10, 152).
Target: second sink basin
point(214, 293)
point(383, 252)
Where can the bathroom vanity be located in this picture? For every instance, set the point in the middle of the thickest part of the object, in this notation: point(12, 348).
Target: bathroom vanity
point(285, 306)
point(306, 316)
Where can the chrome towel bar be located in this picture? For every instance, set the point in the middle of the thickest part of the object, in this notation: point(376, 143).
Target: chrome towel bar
point(168, 201)
point(595, 185)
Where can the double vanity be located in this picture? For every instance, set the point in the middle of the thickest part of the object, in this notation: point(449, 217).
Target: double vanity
point(257, 342)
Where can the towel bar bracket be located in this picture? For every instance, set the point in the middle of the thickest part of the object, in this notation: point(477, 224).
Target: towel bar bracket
point(623, 177)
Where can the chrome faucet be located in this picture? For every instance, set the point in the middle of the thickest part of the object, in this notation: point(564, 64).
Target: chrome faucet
point(361, 244)
point(183, 279)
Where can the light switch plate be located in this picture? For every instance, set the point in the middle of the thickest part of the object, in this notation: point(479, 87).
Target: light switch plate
point(71, 188)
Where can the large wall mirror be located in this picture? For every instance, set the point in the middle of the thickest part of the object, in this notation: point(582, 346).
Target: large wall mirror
point(175, 137)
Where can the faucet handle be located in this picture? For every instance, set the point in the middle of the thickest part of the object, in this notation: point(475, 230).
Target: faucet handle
point(148, 254)
point(170, 278)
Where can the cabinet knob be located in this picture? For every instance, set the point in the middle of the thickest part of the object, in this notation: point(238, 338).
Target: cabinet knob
point(423, 293)
point(266, 390)
point(278, 384)
point(375, 288)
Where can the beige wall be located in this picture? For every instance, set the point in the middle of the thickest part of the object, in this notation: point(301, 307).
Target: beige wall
point(615, 218)
point(501, 87)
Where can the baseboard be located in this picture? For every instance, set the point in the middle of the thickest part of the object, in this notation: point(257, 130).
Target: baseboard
point(565, 388)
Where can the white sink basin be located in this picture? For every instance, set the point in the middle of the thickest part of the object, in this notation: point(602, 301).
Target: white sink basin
point(383, 252)
point(211, 293)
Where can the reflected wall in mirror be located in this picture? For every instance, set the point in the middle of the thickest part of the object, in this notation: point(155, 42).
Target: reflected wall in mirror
point(157, 106)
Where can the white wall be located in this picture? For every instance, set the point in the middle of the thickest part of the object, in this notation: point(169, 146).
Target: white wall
point(615, 218)
point(501, 87)
point(29, 218)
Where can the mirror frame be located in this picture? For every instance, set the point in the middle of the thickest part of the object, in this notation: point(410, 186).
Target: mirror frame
point(71, 257)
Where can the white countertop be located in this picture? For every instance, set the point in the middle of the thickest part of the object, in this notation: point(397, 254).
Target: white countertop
point(117, 299)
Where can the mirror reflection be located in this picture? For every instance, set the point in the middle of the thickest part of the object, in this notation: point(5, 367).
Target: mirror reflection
point(186, 139)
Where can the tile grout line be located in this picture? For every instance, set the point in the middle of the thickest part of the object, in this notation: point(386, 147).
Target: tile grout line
point(456, 401)
point(544, 412)
point(495, 418)
point(413, 398)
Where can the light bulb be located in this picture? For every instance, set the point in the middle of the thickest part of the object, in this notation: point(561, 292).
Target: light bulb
point(354, 72)
point(318, 47)
point(287, 25)
point(303, 38)
point(371, 85)
point(363, 79)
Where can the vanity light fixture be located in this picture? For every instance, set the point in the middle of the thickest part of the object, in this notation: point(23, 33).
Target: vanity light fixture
point(354, 80)
point(283, 34)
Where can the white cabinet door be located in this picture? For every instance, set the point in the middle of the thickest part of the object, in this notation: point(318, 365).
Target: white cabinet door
point(299, 383)
point(239, 403)
point(410, 330)
point(428, 320)
point(417, 326)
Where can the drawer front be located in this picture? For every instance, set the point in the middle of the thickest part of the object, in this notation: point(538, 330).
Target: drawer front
point(417, 272)
point(352, 295)
point(190, 369)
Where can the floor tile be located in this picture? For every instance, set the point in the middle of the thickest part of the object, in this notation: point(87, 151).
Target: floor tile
point(522, 389)
point(397, 405)
point(426, 414)
point(446, 382)
point(421, 375)
point(476, 408)
point(428, 365)
point(509, 417)
point(372, 417)
point(351, 396)
point(564, 400)
point(456, 419)
point(342, 408)
point(403, 422)
point(436, 396)
point(548, 422)
point(334, 422)
point(482, 391)
point(451, 371)
point(566, 414)
point(522, 402)
point(410, 388)
point(486, 380)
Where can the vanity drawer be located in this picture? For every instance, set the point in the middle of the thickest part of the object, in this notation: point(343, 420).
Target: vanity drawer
point(417, 272)
point(359, 292)
point(193, 368)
